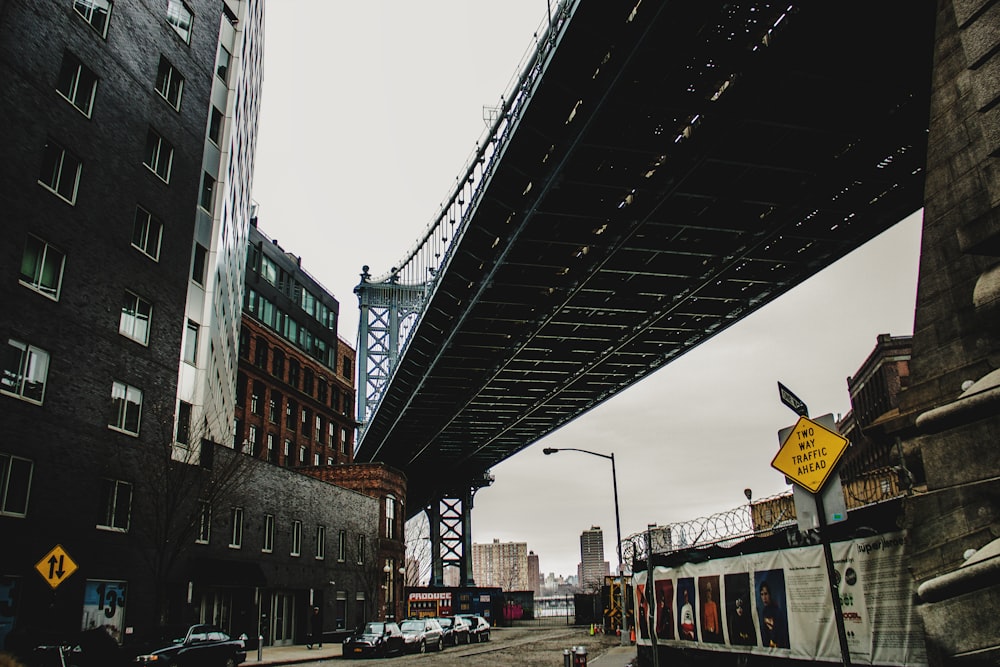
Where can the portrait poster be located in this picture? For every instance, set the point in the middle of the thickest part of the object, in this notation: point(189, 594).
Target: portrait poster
point(779, 603)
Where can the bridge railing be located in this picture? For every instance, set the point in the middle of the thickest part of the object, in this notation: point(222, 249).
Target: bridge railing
point(415, 275)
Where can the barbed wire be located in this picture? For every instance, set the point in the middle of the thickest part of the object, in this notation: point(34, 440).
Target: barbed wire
point(758, 518)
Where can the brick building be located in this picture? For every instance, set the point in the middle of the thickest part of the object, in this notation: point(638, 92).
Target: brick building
point(126, 177)
point(295, 384)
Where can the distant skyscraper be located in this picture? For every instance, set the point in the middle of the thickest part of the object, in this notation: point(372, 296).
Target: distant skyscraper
point(593, 567)
point(534, 578)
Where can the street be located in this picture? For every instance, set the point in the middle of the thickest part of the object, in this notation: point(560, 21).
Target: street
point(520, 647)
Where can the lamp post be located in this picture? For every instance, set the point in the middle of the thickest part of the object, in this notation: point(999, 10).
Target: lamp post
point(618, 529)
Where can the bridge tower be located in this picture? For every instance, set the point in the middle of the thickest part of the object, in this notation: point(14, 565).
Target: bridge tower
point(450, 520)
point(388, 309)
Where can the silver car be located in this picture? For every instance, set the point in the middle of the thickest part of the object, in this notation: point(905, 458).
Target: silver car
point(422, 634)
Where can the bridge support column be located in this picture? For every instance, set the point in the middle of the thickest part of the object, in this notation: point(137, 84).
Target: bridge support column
point(951, 409)
point(450, 519)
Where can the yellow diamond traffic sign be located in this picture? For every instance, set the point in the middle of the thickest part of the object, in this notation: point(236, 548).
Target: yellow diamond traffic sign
point(56, 566)
point(809, 454)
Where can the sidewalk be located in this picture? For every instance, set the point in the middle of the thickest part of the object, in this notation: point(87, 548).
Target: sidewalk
point(290, 655)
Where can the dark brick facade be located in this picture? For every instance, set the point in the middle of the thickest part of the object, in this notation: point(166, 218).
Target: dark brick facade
point(64, 439)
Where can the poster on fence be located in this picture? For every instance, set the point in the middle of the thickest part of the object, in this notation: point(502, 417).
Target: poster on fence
point(779, 603)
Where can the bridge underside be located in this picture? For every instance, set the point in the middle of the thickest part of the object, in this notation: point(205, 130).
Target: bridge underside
point(671, 174)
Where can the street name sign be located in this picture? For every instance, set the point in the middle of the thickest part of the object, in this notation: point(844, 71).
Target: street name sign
point(56, 566)
point(797, 405)
point(809, 454)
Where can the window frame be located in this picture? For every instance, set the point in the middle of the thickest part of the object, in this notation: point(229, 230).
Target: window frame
point(296, 538)
point(129, 322)
point(341, 545)
point(144, 236)
point(236, 532)
point(320, 542)
point(31, 358)
point(155, 154)
point(166, 76)
point(204, 522)
point(110, 496)
point(361, 549)
point(192, 332)
point(92, 7)
point(267, 546)
point(58, 165)
point(73, 81)
point(174, 16)
point(35, 282)
point(120, 414)
point(7, 470)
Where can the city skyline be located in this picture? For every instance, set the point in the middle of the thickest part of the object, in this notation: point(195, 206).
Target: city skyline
point(397, 126)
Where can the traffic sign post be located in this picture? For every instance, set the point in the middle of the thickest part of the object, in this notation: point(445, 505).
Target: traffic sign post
point(808, 454)
point(56, 566)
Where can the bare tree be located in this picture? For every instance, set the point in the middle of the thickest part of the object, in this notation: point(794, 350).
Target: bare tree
point(418, 551)
point(180, 481)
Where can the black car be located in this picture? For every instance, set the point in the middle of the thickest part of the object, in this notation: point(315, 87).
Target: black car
point(456, 630)
point(197, 646)
point(375, 639)
point(479, 627)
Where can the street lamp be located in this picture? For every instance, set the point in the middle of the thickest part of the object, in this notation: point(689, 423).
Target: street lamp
point(618, 528)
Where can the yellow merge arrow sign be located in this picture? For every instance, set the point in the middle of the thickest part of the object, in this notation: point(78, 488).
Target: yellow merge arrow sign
point(56, 566)
point(809, 454)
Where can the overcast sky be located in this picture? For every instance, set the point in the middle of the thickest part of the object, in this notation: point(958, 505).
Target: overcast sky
point(369, 113)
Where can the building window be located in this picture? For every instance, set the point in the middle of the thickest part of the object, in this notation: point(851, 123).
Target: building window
point(303, 454)
point(296, 538)
point(318, 431)
point(320, 542)
point(361, 549)
point(253, 438)
point(260, 353)
point(116, 505)
point(390, 517)
point(180, 18)
point(204, 522)
point(207, 199)
point(184, 422)
point(159, 155)
point(293, 372)
point(236, 538)
point(341, 546)
point(347, 367)
point(272, 410)
point(307, 381)
point(278, 364)
point(126, 408)
point(137, 314)
point(290, 410)
point(147, 232)
point(60, 171)
point(268, 546)
point(15, 485)
point(191, 343)
point(271, 454)
point(169, 83)
point(25, 369)
point(345, 440)
point(42, 267)
point(95, 12)
point(198, 263)
point(77, 83)
point(215, 126)
point(222, 66)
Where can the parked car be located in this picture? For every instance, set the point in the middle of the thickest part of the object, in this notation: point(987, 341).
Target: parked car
point(422, 634)
point(375, 639)
point(479, 627)
point(197, 646)
point(456, 630)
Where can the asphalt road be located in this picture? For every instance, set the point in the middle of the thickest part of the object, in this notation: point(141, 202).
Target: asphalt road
point(519, 647)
